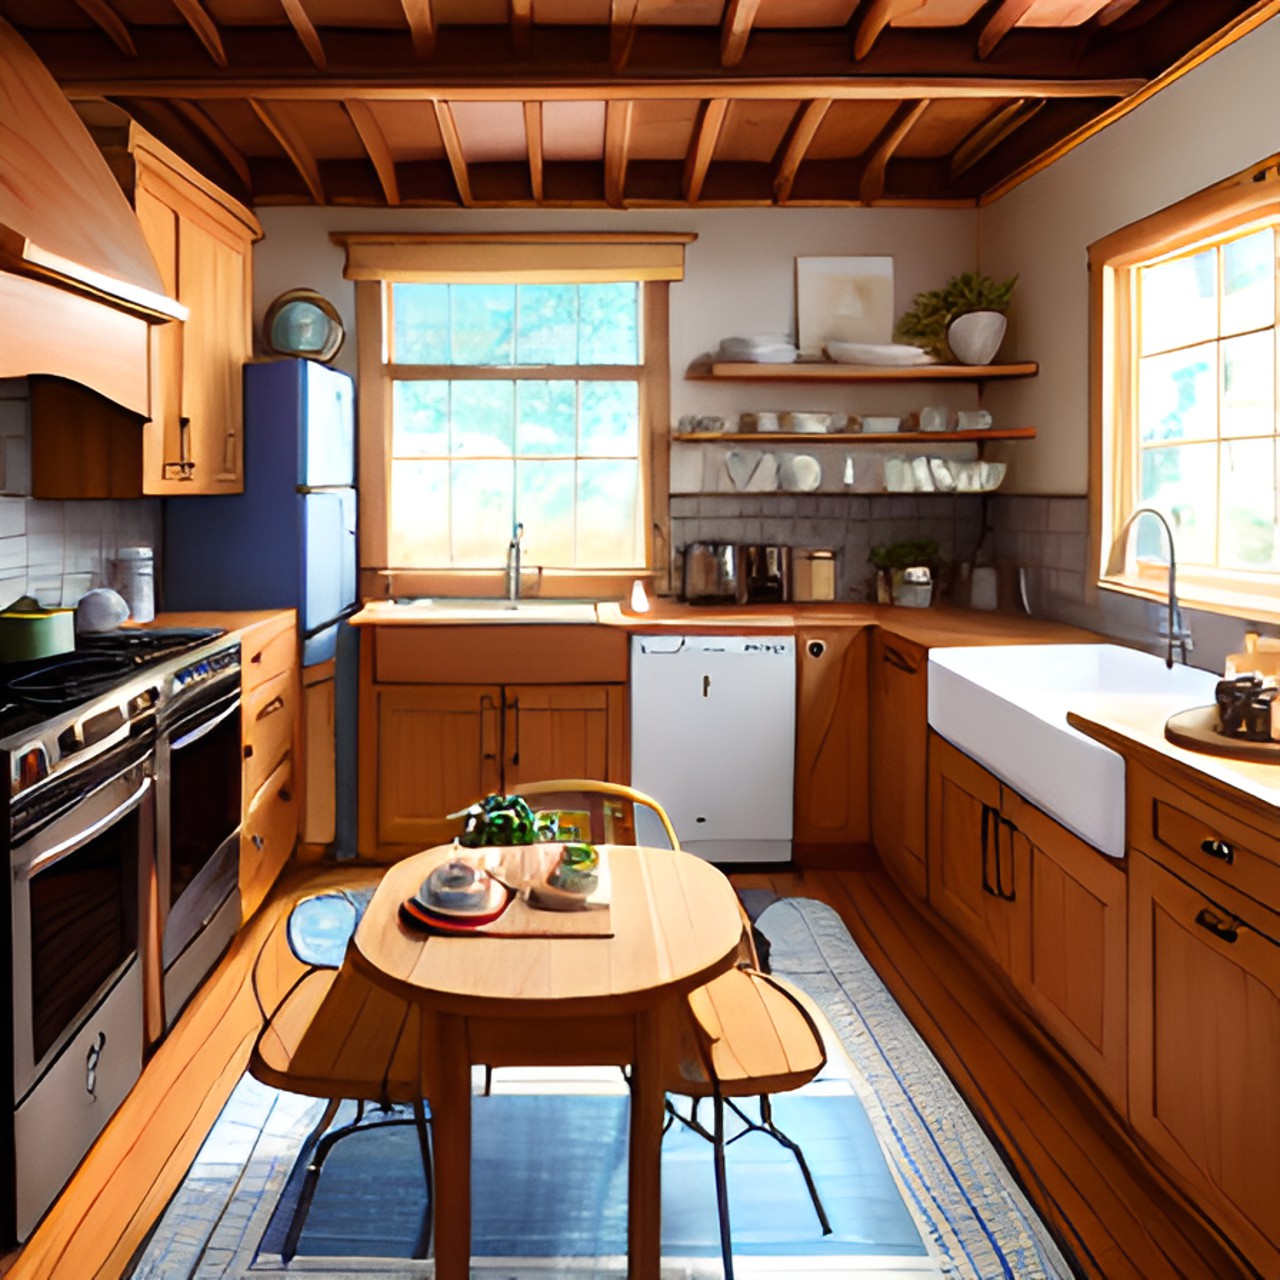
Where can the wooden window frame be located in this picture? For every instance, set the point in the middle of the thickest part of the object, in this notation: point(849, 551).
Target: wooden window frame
point(375, 262)
point(1246, 201)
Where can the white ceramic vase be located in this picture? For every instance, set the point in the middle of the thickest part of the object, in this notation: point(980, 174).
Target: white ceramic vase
point(974, 338)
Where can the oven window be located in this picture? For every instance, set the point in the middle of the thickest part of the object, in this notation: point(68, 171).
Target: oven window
point(204, 811)
point(84, 927)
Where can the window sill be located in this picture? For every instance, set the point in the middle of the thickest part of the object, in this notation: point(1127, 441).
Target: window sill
point(477, 584)
point(1252, 606)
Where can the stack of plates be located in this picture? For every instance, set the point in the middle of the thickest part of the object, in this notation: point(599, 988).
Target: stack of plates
point(881, 353)
point(457, 897)
point(758, 349)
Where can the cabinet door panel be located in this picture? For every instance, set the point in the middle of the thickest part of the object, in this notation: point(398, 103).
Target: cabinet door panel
point(438, 751)
point(1073, 972)
point(898, 768)
point(561, 732)
point(976, 867)
point(1205, 1045)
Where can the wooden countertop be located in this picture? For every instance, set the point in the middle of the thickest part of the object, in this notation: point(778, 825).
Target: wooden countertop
point(236, 620)
point(1134, 726)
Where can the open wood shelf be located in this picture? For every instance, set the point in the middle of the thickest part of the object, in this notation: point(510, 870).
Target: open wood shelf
point(763, 439)
point(830, 371)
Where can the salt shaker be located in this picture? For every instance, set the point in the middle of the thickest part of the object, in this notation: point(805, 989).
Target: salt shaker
point(137, 582)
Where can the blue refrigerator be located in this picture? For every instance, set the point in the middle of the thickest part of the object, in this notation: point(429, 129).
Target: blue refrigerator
point(287, 541)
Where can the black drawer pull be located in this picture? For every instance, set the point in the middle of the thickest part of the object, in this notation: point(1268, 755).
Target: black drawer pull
point(1224, 929)
point(257, 842)
point(1219, 849)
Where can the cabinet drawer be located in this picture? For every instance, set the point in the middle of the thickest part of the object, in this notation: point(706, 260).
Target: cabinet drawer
point(268, 716)
point(268, 836)
point(265, 651)
point(1179, 828)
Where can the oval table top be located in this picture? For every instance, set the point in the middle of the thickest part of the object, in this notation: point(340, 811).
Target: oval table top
point(675, 922)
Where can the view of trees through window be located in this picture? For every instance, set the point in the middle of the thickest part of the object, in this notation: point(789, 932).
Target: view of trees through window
point(1206, 403)
point(516, 402)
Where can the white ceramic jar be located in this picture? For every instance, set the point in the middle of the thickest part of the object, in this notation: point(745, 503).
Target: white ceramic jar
point(137, 582)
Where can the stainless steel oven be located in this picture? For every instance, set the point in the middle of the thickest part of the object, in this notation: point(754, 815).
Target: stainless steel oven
point(81, 837)
point(198, 783)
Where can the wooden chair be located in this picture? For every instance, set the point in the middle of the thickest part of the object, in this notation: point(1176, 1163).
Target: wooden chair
point(744, 1034)
point(616, 814)
point(335, 1035)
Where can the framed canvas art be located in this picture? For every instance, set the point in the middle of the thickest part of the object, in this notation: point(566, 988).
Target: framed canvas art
point(843, 300)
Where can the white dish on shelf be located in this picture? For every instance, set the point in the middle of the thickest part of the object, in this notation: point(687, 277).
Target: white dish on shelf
point(799, 472)
point(878, 353)
point(880, 426)
point(806, 423)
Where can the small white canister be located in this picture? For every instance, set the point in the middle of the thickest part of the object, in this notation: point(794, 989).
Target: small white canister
point(137, 582)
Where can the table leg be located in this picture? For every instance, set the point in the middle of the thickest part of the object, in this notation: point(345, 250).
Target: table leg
point(644, 1202)
point(450, 1100)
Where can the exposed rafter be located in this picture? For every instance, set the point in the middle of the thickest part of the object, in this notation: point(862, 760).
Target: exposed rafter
point(207, 127)
point(703, 147)
point(453, 150)
point(111, 22)
point(198, 19)
point(307, 33)
point(1002, 122)
point(803, 128)
point(421, 18)
point(374, 142)
point(872, 185)
point(533, 139)
point(617, 141)
point(623, 19)
point(1003, 21)
point(735, 31)
point(879, 14)
point(522, 26)
point(292, 144)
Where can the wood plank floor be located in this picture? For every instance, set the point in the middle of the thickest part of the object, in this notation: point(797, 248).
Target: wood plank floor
point(1112, 1215)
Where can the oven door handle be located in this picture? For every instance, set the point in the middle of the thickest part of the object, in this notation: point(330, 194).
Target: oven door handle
point(207, 727)
point(82, 838)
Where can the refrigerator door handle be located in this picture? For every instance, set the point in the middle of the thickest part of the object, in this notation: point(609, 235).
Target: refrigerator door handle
point(341, 616)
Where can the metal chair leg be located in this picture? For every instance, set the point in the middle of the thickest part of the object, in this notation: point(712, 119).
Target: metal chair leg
point(423, 1245)
point(722, 1187)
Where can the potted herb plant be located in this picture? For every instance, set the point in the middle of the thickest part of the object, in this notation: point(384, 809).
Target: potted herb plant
point(891, 562)
point(964, 320)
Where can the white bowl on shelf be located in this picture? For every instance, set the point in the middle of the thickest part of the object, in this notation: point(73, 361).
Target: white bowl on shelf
point(880, 426)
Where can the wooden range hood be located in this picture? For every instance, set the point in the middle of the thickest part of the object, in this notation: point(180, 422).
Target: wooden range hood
point(78, 285)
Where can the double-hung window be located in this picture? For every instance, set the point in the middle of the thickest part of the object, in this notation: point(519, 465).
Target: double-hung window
point(512, 381)
point(1186, 413)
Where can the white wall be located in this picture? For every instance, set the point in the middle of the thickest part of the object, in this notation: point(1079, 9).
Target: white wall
point(1213, 122)
point(739, 278)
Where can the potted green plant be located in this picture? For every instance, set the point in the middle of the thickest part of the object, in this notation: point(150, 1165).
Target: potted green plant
point(890, 563)
point(964, 321)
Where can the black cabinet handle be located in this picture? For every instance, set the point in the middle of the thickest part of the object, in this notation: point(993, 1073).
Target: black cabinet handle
point(988, 814)
point(896, 659)
point(515, 754)
point(1227, 929)
point(1219, 849)
point(1010, 894)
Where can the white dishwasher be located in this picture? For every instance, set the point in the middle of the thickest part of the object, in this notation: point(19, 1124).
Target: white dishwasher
point(713, 740)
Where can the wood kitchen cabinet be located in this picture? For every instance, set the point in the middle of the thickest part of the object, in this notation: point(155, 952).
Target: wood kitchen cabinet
point(898, 739)
point(1046, 907)
point(512, 716)
point(270, 694)
point(832, 804)
point(201, 240)
point(1204, 1014)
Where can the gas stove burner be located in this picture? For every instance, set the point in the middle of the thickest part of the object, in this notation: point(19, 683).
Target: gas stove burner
point(146, 645)
point(73, 679)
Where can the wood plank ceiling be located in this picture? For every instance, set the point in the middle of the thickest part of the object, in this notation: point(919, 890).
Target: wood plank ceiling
point(623, 103)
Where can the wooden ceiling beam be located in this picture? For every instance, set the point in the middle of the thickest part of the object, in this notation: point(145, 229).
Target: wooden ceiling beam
point(301, 22)
point(623, 20)
point(879, 14)
point(735, 31)
point(705, 136)
point(808, 117)
point(1116, 13)
point(198, 19)
point(838, 89)
point(522, 26)
point(1005, 18)
point(533, 139)
point(374, 142)
point(991, 132)
point(617, 142)
point(421, 18)
point(453, 150)
point(293, 145)
point(111, 22)
point(207, 127)
point(903, 120)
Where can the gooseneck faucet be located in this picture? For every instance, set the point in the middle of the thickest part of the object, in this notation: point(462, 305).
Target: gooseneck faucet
point(513, 562)
point(1178, 633)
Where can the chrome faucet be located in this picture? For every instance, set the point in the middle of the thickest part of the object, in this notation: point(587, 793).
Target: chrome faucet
point(1178, 633)
point(513, 562)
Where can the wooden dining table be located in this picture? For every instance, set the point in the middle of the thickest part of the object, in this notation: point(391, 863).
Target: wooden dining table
point(673, 924)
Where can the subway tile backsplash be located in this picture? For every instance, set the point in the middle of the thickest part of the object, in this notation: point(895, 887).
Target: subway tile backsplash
point(57, 550)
